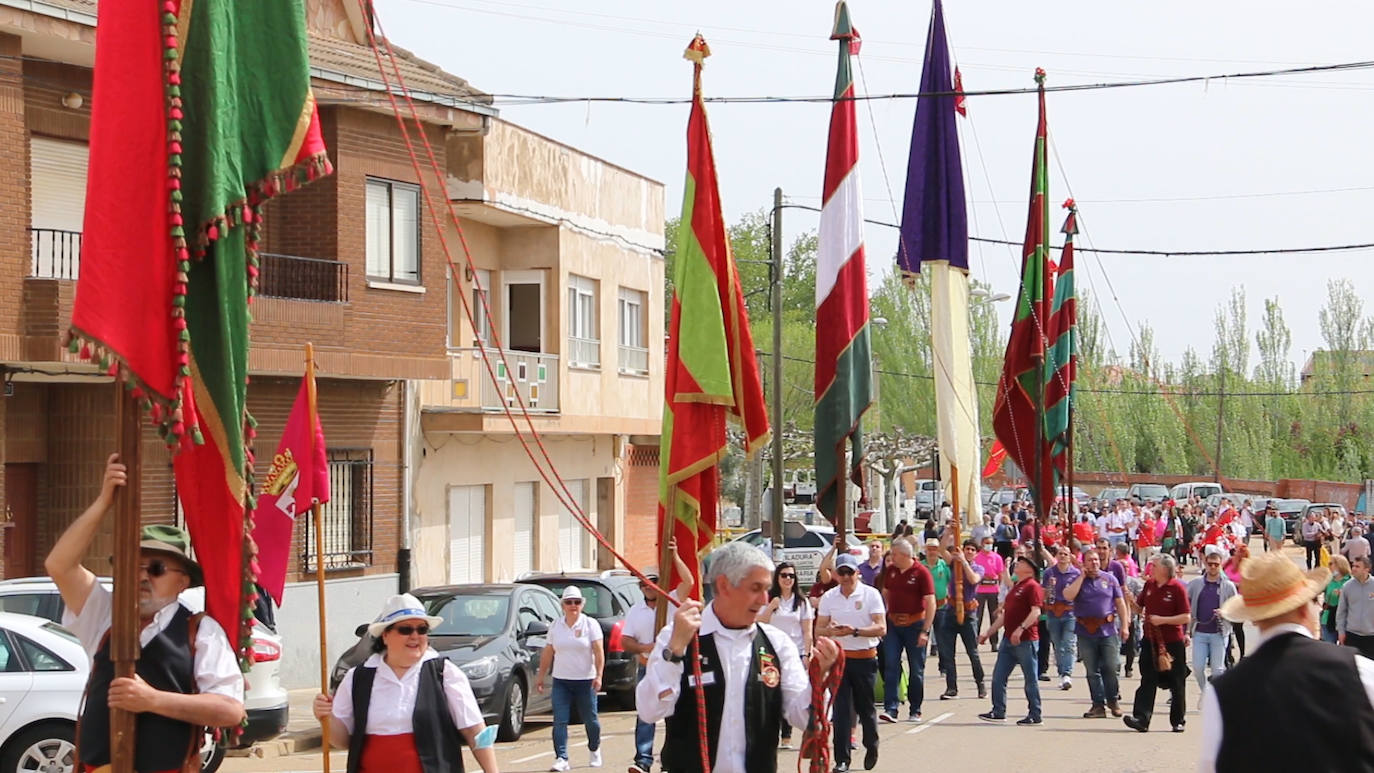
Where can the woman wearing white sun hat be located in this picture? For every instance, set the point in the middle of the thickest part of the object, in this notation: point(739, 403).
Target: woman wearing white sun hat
point(406, 709)
point(576, 658)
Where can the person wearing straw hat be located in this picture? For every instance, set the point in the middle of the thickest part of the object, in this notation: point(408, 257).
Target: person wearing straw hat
point(576, 658)
point(1318, 695)
point(406, 709)
point(187, 676)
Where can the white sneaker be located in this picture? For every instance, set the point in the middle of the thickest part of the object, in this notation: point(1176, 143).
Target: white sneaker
point(595, 760)
point(560, 764)
point(1066, 682)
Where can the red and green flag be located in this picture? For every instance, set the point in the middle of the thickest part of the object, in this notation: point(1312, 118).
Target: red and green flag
point(1018, 419)
point(189, 139)
point(844, 369)
point(711, 369)
point(1061, 356)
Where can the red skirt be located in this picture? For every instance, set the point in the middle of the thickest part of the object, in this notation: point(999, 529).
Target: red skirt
point(390, 753)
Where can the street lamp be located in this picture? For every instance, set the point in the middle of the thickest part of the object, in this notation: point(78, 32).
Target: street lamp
point(985, 295)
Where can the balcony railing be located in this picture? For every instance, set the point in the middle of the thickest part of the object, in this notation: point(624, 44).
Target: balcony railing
point(534, 377)
point(634, 360)
point(584, 353)
point(54, 254)
point(302, 279)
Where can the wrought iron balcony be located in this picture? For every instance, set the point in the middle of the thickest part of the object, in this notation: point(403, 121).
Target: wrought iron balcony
point(302, 279)
point(54, 253)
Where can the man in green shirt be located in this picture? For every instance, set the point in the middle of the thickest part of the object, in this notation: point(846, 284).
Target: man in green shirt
point(1274, 527)
point(939, 571)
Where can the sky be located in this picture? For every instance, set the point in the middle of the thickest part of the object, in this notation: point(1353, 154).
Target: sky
point(1225, 164)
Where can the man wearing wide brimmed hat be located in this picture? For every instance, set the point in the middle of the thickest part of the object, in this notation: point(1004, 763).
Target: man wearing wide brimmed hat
point(1319, 694)
point(187, 676)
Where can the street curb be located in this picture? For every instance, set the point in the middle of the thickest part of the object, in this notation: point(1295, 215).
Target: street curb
point(286, 744)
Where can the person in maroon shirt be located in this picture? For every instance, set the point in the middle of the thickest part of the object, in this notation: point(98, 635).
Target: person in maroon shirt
point(909, 595)
point(1163, 603)
point(1019, 616)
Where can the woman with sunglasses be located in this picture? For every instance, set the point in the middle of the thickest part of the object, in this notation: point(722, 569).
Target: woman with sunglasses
point(406, 709)
point(576, 658)
point(792, 614)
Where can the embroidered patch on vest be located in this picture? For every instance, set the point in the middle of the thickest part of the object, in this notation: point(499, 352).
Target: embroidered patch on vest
point(768, 670)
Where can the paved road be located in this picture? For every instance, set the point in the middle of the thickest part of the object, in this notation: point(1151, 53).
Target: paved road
point(952, 737)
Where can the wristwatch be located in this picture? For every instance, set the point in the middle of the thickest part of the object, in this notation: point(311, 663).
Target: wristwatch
point(671, 658)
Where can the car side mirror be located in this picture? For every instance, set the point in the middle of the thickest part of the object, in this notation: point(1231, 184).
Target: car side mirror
point(536, 628)
point(360, 630)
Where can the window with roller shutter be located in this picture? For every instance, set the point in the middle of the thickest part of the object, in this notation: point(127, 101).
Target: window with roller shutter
point(57, 169)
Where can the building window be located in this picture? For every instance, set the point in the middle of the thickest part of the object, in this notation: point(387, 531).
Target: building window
point(478, 300)
point(584, 338)
point(393, 232)
point(346, 539)
point(634, 355)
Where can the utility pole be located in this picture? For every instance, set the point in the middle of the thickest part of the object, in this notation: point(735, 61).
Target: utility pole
point(1221, 415)
point(753, 493)
point(776, 303)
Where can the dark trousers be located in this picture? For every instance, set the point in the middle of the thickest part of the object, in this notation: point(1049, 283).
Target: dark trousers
point(1043, 654)
point(1175, 680)
point(856, 693)
point(987, 612)
point(1314, 552)
point(948, 631)
point(1365, 644)
point(1129, 647)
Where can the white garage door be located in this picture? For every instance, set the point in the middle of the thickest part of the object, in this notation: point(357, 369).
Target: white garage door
point(467, 529)
point(574, 543)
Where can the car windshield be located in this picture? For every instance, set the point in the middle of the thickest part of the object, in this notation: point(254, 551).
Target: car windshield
point(464, 614)
point(596, 598)
point(1152, 491)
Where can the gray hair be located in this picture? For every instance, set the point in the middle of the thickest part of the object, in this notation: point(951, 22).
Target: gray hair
point(1169, 563)
point(904, 547)
point(735, 560)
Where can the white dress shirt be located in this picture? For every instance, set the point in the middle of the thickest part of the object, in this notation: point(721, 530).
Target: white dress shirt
point(1211, 708)
point(657, 694)
point(856, 611)
point(216, 667)
point(392, 704)
point(639, 622)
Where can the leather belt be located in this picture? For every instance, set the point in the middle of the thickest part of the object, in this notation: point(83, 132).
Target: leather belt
point(868, 654)
point(1094, 624)
point(902, 620)
point(1059, 608)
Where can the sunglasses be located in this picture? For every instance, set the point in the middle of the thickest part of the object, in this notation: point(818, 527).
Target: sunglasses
point(787, 576)
point(844, 571)
point(572, 602)
point(157, 567)
point(406, 630)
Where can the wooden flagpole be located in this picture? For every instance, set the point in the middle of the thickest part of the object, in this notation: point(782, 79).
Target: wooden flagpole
point(665, 560)
point(318, 515)
point(124, 621)
point(957, 583)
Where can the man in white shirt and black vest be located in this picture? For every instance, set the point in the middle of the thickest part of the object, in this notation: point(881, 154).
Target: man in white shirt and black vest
point(751, 673)
point(855, 615)
point(1319, 697)
point(187, 677)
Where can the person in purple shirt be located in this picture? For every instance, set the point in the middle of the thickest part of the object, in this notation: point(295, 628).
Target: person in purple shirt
point(1099, 607)
point(1059, 618)
point(1210, 631)
point(872, 569)
point(948, 629)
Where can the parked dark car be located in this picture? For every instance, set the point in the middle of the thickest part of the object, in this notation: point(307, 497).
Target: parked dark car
point(607, 597)
point(1292, 511)
point(495, 633)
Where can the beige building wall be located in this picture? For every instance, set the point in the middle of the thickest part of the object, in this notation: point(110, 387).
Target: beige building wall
point(498, 462)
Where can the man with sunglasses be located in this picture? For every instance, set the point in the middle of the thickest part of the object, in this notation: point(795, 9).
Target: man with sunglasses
point(187, 676)
point(855, 616)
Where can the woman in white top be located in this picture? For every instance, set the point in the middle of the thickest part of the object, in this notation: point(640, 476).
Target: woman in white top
point(576, 657)
point(790, 613)
point(413, 707)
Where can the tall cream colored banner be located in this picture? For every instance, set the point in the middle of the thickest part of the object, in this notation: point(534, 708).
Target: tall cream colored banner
point(956, 399)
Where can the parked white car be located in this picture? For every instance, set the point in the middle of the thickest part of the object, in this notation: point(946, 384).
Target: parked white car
point(805, 549)
point(43, 672)
point(264, 699)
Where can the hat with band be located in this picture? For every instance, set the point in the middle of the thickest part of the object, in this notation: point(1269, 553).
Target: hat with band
point(1273, 585)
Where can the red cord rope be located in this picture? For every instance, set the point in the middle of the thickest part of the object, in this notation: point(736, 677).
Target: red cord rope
point(815, 743)
point(560, 488)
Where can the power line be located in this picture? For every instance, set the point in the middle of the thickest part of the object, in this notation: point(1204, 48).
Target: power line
point(530, 99)
point(1153, 253)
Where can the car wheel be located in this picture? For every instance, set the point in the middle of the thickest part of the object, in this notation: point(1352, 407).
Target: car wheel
point(211, 753)
point(513, 717)
point(48, 746)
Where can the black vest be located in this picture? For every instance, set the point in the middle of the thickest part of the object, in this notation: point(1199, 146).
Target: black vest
point(762, 709)
point(166, 663)
point(437, 741)
point(1309, 693)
